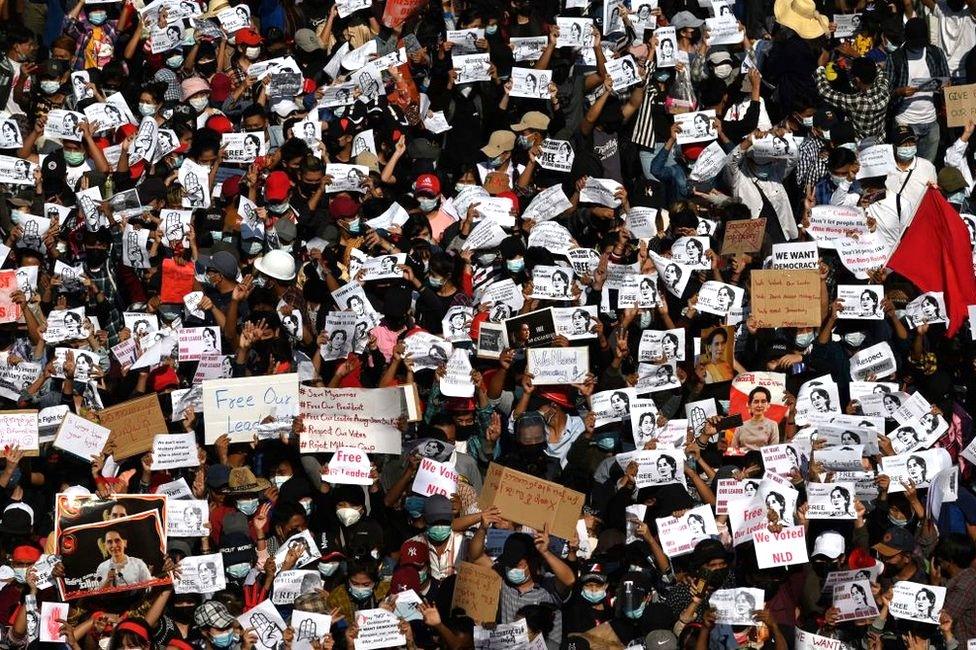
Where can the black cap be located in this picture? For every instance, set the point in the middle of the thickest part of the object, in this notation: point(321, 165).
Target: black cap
point(903, 133)
point(151, 189)
point(517, 547)
point(511, 246)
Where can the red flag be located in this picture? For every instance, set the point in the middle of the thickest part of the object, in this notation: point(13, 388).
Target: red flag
point(935, 254)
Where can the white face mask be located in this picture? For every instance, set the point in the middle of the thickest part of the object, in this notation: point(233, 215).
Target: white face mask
point(348, 516)
point(252, 52)
point(147, 109)
point(199, 103)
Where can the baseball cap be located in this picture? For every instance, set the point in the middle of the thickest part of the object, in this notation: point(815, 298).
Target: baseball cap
point(684, 19)
point(277, 186)
point(825, 119)
point(498, 143)
point(343, 207)
point(829, 544)
point(223, 263)
point(951, 180)
point(220, 124)
point(517, 547)
point(286, 231)
point(307, 41)
point(414, 553)
point(532, 120)
point(438, 508)
point(427, 184)
point(903, 134)
point(593, 573)
point(247, 36)
point(213, 613)
point(405, 578)
point(896, 540)
point(661, 640)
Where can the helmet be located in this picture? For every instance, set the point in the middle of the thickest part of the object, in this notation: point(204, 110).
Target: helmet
point(277, 264)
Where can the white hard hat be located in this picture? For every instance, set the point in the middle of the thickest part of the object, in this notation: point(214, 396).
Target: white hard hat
point(277, 264)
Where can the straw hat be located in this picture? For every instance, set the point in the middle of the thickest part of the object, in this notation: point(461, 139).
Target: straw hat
point(802, 17)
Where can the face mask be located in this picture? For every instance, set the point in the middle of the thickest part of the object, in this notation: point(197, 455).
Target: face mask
point(97, 17)
point(901, 523)
point(414, 506)
point(839, 180)
point(595, 596)
point(174, 61)
point(524, 142)
point(223, 640)
point(208, 68)
point(807, 121)
point(438, 533)
point(661, 77)
point(606, 444)
point(762, 173)
point(239, 571)
point(252, 52)
point(423, 575)
point(74, 158)
point(328, 568)
point(348, 516)
point(147, 109)
point(855, 339)
point(354, 227)
point(427, 205)
point(435, 283)
point(723, 71)
point(496, 162)
point(279, 480)
point(50, 86)
point(957, 197)
point(635, 614)
point(905, 153)
point(515, 265)
point(360, 593)
point(516, 576)
point(491, 30)
point(20, 574)
point(307, 505)
point(279, 208)
point(486, 259)
point(199, 103)
point(248, 506)
point(803, 340)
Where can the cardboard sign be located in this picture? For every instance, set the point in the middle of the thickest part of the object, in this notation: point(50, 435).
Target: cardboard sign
point(133, 424)
point(782, 298)
point(532, 501)
point(744, 236)
point(960, 104)
point(477, 591)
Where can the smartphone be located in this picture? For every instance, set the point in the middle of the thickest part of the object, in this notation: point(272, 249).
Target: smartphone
point(729, 422)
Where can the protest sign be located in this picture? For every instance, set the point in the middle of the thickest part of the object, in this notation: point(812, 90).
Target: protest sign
point(302, 542)
point(877, 360)
point(173, 450)
point(789, 546)
point(49, 625)
point(81, 437)
point(919, 468)
point(554, 366)
point(363, 418)
point(237, 406)
point(828, 223)
point(737, 606)
point(531, 501)
point(696, 126)
point(810, 641)
point(710, 162)
point(504, 636)
point(198, 342)
point(864, 254)
point(133, 424)
point(456, 381)
point(796, 256)
point(730, 489)
point(830, 501)
point(435, 478)
point(266, 622)
point(308, 627)
point(747, 515)
point(201, 574)
point(349, 467)
point(111, 556)
point(534, 329)
point(960, 104)
point(20, 430)
point(556, 155)
point(680, 534)
point(876, 160)
point(719, 298)
point(530, 83)
point(854, 601)
point(187, 518)
point(9, 310)
point(654, 466)
point(743, 236)
point(289, 585)
point(378, 628)
point(861, 301)
point(782, 298)
point(477, 591)
point(917, 602)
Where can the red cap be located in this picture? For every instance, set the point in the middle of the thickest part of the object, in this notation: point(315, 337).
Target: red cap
point(343, 207)
point(277, 186)
point(164, 379)
point(26, 553)
point(231, 187)
point(860, 558)
point(220, 87)
point(247, 36)
point(427, 184)
point(692, 151)
point(220, 124)
point(414, 553)
point(558, 395)
point(511, 197)
point(459, 404)
point(124, 132)
point(405, 578)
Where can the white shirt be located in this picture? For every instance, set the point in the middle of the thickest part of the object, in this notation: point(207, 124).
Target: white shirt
point(957, 33)
point(911, 183)
point(746, 187)
point(134, 571)
point(889, 228)
point(955, 156)
point(13, 107)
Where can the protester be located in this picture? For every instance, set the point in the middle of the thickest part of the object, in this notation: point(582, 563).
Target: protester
point(487, 325)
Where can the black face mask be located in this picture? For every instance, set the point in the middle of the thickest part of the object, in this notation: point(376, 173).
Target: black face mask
point(208, 68)
point(465, 432)
point(182, 613)
point(95, 257)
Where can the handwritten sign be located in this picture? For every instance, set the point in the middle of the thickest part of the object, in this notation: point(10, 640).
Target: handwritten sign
point(237, 406)
point(435, 478)
point(960, 104)
point(81, 437)
point(532, 501)
point(20, 430)
point(378, 628)
point(783, 298)
point(743, 236)
point(477, 591)
point(133, 425)
point(359, 418)
point(348, 466)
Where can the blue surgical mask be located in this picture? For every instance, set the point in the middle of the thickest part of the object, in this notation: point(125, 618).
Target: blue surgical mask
point(427, 204)
point(74, 158)
point(175, 61)
point(97, 17)
point(855, 339)
point(807, 121)
point(435, 283)
point(524, 142)
point(20, 574)
point(414, 506)
point(247, 506)
point(957, 197)
point(839, 180)
point(606, 444)
point(223, 640)
point(634, 614)
point(307, 505)
point(438, 533)
point(423, 575)
point(516, 576)
point(50, 86)
point(328, 568)
point(354, 227)
point(146, 109)
point(239, 571)
point(905, 153)
point(279, 208)
point(595, 596)
point(496, 162)
point(491, 30)
point(761, 172)
point(360, 593)
point(901, 523)
point(515, 265)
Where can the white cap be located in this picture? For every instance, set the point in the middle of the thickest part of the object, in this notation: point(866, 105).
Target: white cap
point(277, 264)
point(77, 491)
point(830, 544)
point(6, 573)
